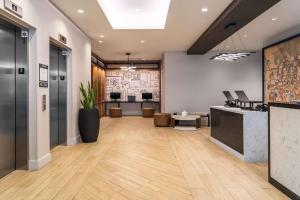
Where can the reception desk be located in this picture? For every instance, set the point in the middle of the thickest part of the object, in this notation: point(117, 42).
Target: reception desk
point(284, 148)
point(243, 133)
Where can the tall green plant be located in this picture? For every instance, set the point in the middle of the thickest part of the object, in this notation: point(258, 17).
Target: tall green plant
point(88, 100)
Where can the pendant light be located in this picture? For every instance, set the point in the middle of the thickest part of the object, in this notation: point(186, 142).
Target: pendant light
point(129, 67)
point(232, 55)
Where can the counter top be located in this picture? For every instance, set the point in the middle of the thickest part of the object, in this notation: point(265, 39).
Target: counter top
point(285, 105)
point(284, 148)
point(236, 110)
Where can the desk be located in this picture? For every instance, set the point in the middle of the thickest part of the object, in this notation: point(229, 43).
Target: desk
point(243, 133)
point(119, 103)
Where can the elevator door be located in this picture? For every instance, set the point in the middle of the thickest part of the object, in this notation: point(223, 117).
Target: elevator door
point(58, 96)
point(13, 99)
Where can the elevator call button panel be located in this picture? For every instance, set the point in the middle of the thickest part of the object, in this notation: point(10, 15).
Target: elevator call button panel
point(21, 70)
point(44, 102)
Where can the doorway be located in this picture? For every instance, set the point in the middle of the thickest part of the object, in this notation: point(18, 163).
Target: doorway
point(13, 98)
point(58, 96)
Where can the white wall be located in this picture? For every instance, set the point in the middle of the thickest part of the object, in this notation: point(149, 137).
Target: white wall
point(283, 35)
point(194, 82)
point(49, 22)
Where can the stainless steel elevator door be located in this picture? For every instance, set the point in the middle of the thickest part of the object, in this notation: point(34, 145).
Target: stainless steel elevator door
point(62, 98)
point(58, 96)
point(13, 99)
point(21, 101)
point(7, 100)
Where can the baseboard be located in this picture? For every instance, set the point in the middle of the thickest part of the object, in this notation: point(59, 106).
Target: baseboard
point(227, 148)
point(74, 140)
point(38, 164)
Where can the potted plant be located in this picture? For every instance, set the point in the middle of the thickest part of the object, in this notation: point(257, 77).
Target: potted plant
point(88, 115)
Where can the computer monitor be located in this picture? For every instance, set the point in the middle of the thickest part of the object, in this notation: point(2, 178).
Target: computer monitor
point(228, 96)
point(131, 98)
point(242, 96)
point(115, 95)
point(146, 96)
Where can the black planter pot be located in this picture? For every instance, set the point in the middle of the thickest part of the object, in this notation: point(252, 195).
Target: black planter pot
point(89, 124)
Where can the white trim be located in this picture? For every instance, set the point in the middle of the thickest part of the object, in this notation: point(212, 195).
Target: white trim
point(73, 141)
point(185, 128)
point(227, 148)
point(38, 164)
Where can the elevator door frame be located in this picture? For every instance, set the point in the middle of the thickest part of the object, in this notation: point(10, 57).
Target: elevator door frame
point(58, 45)
point(20, 80)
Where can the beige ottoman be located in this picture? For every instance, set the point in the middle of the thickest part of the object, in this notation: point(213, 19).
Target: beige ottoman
point(115, 112)
point(162, 119)
point(148, 112)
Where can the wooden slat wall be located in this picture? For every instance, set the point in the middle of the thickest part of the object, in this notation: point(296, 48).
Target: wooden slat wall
point(98, 78)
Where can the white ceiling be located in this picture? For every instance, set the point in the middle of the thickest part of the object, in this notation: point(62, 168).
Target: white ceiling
point(185, 23)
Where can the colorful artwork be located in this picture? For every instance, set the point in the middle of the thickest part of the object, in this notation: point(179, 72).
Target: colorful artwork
point(282, 71)
point(133, 83)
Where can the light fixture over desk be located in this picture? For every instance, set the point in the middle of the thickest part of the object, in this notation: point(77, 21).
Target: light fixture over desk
point(129, 67)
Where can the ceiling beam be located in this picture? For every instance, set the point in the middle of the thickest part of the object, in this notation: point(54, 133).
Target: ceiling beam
point(238, 14)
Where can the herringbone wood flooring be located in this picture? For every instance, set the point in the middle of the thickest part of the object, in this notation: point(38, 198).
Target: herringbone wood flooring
point(134, 160)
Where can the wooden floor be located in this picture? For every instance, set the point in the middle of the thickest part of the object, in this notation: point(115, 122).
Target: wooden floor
point(134, 160)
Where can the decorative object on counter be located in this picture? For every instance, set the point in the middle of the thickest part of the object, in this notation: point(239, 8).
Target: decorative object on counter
point(88, 115)
point(281, 71)
point(184, 113)
point(262, 108)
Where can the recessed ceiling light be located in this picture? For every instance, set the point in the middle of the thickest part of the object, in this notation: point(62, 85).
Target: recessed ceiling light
point(102, 36)
point(80, 11)
point(121, 16)
point(204, 9)
point(142, 41)
point(100, 41)
point(245, 36)
point(274, 19)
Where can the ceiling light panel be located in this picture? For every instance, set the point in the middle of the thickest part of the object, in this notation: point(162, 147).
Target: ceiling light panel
point(122, 14)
